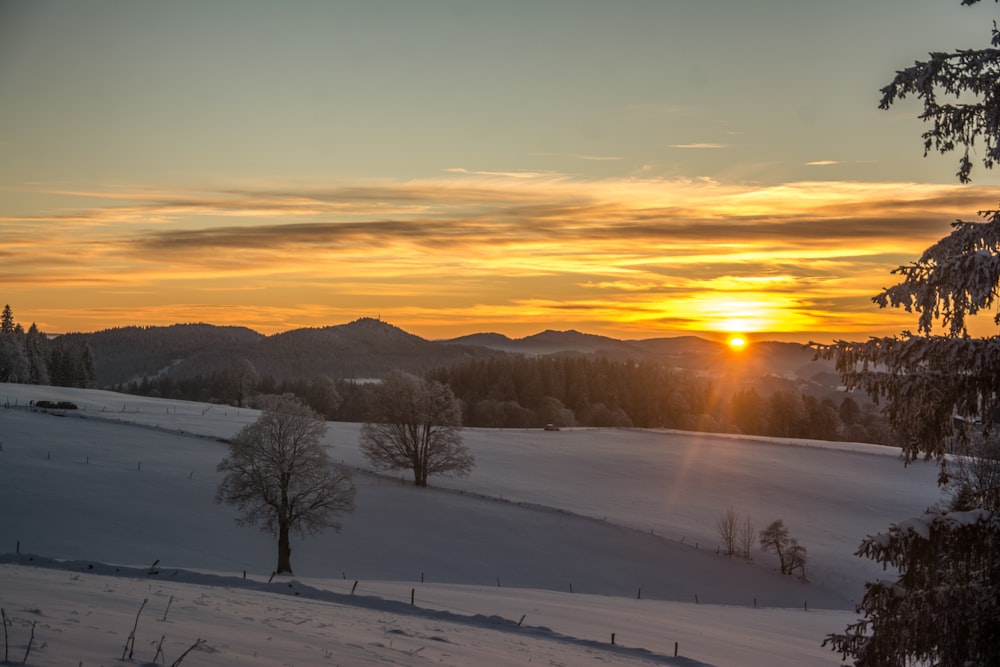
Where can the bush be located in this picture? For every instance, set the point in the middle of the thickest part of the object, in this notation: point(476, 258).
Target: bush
point(61, 405)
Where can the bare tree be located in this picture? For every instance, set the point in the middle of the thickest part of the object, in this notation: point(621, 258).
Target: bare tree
point(795, 558)
point(975, 476)
point(746, 537)
point(791, 555)
point(323, 396)
point(727, 526)
point(243, 378)
point(280, 478)
point(415, 426)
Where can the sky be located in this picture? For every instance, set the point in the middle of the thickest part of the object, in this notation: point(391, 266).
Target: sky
point(635, 169)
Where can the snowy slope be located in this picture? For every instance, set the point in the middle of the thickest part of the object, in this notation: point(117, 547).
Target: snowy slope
point(86, 618)
point(608, 512)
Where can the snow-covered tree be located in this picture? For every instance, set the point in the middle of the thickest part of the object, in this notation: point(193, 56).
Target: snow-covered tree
point(414, 425)
point(961, 98)
point(14, 365)
point(944, 609)
point(925, 380)
point(36, 346)
point(280, 477)
point(941, 393)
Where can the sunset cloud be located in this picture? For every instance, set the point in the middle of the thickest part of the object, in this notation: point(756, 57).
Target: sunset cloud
point(667, 255)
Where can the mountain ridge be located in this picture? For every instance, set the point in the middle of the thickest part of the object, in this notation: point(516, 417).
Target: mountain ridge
point(371, 347)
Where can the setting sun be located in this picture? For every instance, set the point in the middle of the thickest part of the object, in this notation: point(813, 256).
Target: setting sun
point(736, 342)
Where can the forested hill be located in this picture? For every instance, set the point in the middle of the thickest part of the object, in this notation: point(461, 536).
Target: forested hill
point(370, 348)
point(361, 349)
point(123, 354)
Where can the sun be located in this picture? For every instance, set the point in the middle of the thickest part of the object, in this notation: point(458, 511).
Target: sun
point(736, 342)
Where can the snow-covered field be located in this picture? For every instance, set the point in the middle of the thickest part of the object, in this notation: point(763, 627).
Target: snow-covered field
point(582, 532)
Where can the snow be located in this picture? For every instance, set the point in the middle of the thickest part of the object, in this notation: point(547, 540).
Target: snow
point(969, 517)
point(583, 532)
point(918, 525)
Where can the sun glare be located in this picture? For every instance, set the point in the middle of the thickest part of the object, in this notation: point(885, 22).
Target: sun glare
point(736, 342)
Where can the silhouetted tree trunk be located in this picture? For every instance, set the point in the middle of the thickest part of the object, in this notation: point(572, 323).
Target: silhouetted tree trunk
point(284, 550)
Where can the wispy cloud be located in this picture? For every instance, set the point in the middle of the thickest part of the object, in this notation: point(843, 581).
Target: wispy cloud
point(581, 156)
point(822, 163)
point(505, 174)
point(699, 145)
point(655, 109)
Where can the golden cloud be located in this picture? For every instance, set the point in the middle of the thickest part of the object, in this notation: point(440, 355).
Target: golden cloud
point(488, 247)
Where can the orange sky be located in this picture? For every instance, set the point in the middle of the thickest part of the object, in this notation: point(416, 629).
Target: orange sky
point(631, 169)
point(622, 257)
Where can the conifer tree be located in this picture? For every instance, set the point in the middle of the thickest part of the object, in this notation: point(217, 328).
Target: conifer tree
point(941, 393)
point(14, 365)
point(7, 320)
point(35, 345)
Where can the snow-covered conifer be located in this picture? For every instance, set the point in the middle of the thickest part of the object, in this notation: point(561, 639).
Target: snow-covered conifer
point(941, 393)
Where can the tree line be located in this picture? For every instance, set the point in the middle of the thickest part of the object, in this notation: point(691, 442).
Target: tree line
point(31, 357)
point(496, 392)
point(565, 390)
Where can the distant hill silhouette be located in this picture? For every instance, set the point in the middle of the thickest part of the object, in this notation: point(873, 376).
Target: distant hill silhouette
point(363, 348)
point(790, 360)
point(130, 353)
point(368, 347)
